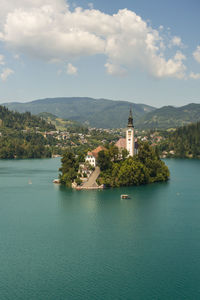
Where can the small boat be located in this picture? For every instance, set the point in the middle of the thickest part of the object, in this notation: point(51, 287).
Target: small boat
point(124, 196)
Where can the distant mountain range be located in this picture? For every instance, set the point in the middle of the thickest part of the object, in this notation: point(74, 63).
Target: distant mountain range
point(100, 113)
point(170, 117)
point(103, 113)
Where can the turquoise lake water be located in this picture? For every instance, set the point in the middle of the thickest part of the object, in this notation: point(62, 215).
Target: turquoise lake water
point(56, 243)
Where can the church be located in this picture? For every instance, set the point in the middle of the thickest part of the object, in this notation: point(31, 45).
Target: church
point(129, 143)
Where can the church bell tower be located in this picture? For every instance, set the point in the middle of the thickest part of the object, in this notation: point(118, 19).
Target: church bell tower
point(130, 141)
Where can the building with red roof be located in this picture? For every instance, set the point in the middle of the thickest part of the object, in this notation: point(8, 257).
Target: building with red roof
point(91, 157)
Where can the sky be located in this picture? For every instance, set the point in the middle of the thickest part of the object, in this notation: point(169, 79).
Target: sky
point(135, 50)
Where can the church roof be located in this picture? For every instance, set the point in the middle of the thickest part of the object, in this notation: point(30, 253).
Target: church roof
point(121, 143)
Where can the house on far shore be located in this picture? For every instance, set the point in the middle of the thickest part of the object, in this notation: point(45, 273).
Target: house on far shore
point(91, 157)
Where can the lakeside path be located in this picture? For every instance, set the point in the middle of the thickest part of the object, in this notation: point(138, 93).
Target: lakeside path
point(91, 183)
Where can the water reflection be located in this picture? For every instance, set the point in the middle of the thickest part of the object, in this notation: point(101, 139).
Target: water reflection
point(113, 193)
point(92, 244)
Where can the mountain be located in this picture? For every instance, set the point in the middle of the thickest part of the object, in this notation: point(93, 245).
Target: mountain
point(10, 120)
point(103, 113)
point(63, 125)
point(100, 113)
point(170, 117)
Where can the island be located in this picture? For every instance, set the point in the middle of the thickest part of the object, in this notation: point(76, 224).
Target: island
point(128, 162)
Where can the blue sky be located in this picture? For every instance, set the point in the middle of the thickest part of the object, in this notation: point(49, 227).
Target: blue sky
point(140, 51)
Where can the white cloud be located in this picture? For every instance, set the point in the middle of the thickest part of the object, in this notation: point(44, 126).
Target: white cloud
point(6, 72)
point(195, 75)
point(196, 54)
point(115, 69)
point(71, 70)
point(176, 41)
point(179, 56)
point(48, 30)
point(173, 67)
point(2, 62)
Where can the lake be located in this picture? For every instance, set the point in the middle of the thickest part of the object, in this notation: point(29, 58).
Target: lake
point(57, 243)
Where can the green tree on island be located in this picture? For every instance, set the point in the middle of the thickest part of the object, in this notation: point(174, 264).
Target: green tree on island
point(146, 167)
point(69, 168)
point(117, 169)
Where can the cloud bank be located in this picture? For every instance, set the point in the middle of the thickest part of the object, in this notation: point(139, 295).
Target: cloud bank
point(49, 30)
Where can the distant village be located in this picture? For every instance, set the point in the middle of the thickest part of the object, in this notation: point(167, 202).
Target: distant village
point(65, 139)
point(91, 138)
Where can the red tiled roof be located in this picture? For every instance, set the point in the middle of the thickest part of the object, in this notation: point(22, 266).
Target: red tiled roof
point(97, 150)
point(89, 153)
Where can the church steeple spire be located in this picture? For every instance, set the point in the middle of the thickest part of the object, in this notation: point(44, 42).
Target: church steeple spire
point(130, 140)
point(130, 119)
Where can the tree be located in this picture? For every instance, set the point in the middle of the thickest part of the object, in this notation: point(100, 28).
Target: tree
point(78, 181)
point(113, 153)
point(125, 154)
point(104, 160)
point(146, 167)
point(68, 161)
point(69, 169)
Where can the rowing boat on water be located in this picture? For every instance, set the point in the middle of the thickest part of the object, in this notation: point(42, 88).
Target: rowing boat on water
point(124, 196)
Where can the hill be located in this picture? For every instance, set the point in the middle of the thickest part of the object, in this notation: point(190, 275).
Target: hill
point(63, 125)
point(15, 120)
point(20, 135)
point(100, 113)
point(170, 117)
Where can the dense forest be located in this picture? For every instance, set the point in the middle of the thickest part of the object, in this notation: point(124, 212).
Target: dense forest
point(20, 135)
point(184, 142)
point(117, 169)
point(15, 120)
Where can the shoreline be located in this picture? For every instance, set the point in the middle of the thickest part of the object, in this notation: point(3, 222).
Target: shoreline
point(79, 188)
